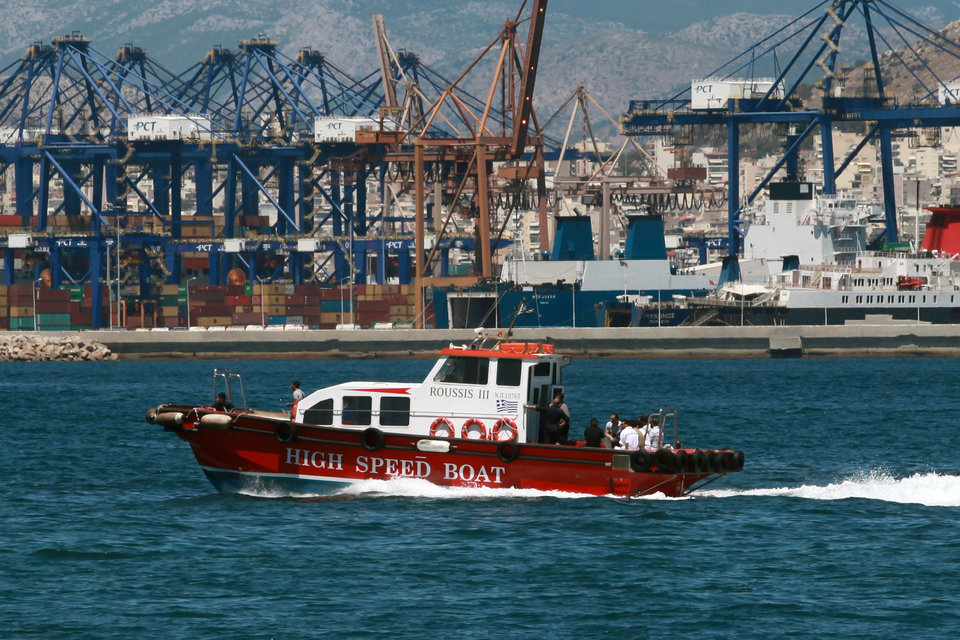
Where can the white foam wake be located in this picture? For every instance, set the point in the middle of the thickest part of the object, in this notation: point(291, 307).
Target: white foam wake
point(929, 489)
point(419, 488)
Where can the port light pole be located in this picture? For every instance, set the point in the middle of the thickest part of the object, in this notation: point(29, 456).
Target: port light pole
point(189, 280)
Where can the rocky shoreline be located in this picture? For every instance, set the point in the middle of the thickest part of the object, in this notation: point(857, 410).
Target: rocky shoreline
point(25, 347)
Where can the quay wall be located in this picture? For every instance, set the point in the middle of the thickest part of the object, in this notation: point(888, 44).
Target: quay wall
point(636, 342)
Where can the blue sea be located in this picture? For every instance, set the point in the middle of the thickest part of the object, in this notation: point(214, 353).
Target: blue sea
point(845, 522)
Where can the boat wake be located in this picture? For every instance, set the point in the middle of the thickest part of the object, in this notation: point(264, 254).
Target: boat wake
point(419, 488)
point(928, 489)
point(407, 488)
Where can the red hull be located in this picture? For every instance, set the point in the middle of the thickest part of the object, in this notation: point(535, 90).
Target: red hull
point(259, 448)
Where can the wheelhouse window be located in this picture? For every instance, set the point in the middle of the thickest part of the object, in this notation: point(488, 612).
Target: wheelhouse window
point(508, 372)
point(320, 413)
point(357, 409)
point(464, 370)
point(394, 411)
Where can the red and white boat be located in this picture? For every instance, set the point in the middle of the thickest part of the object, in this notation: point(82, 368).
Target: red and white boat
point(464, 426)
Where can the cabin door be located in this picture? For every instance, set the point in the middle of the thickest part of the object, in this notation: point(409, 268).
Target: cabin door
point(540, 389)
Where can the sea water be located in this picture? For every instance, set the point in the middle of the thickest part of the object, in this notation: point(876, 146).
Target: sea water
point(843, 524)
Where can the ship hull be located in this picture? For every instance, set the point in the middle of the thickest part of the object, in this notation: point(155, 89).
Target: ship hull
point(733, 315)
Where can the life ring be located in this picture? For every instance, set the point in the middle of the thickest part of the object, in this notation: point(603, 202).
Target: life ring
point(285, 432)
point(508, 450)
point(665, 460)
point(502, 425)
point(451, 431)
point(372, 439)
point(640, 461)
point(473, 422)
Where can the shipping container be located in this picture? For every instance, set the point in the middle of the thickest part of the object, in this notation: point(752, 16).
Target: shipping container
point(169, 127)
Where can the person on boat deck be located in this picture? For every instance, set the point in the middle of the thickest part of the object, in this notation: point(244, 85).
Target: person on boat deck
point(552, 421)
point(566, 411)
point(629, 438)
point(652, 440)
point(642, 424)
point(593, 435)
point(297, 393)
point(222, 404)
point(612, 432)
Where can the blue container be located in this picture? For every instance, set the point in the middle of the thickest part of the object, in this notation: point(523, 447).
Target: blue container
point(334, 305)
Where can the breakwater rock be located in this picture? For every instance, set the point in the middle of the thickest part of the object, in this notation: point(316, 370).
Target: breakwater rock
point(35, 348)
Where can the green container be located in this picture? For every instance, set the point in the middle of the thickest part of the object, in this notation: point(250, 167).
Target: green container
point(45, 320)
point(334, 305)
point(248, 289)
point(21, 324)
point(60, 328)
point(76, 292)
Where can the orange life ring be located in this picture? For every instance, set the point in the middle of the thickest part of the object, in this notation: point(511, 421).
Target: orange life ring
point(503, 425)
point(451, 431)
point(465, 433)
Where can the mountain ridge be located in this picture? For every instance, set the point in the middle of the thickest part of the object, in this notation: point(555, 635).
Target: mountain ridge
point(620, 50)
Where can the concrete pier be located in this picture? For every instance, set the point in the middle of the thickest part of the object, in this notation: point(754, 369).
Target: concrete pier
point(667, 342)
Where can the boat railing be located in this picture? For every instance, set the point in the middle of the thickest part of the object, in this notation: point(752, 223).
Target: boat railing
point(665, 416)
point(228, 378)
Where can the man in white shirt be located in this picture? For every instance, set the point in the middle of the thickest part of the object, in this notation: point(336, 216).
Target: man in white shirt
point(652, 440)
point(629, 438)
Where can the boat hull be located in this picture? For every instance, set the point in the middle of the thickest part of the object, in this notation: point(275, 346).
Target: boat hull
point(254, 454)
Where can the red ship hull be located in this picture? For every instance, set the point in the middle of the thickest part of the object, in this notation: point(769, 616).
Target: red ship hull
point(243, 452)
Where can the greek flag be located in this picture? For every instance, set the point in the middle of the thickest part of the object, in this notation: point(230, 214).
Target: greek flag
point(507, 406)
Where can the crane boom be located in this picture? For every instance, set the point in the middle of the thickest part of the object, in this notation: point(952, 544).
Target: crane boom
point(383, 55)
point(529, 79)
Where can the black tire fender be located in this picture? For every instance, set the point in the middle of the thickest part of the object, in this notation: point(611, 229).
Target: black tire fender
point(665, 460)
point(737, 461)
point(285, 432)
point(682, 463)
point(725, 461)
point(372, 439)
point(700, 461)
point(508, 451)
point(713, 457)
point(640, 461)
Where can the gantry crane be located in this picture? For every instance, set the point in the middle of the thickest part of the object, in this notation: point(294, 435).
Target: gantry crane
point(776, 99)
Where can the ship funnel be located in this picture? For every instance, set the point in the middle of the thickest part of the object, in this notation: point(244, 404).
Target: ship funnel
point(645, 238)
point(730, 271)
point(943, 231)
point(573, 239)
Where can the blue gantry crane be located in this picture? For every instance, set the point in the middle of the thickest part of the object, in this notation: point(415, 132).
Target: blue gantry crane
point(110, 153)
point(758, 87)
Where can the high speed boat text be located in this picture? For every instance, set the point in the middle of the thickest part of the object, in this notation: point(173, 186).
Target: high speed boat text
point(395, 468)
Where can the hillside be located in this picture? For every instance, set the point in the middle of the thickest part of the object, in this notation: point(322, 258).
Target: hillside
point(621, 50)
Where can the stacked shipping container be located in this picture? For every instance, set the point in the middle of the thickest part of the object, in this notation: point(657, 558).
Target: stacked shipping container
point(315, 306)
